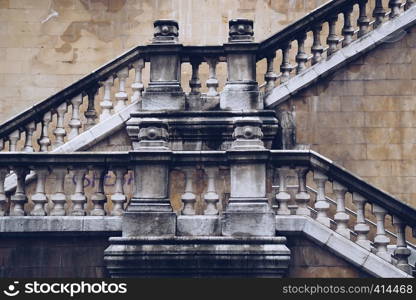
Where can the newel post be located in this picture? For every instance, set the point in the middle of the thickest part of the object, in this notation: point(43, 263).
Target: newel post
point(241, 90)
point(149, 212)
point(164, 91)
point(248, 212)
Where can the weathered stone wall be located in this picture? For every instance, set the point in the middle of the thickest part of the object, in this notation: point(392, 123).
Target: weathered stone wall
point(53, 256)
point(308, 260)
point(47, 44)
point(363, 117)
point(82, 257)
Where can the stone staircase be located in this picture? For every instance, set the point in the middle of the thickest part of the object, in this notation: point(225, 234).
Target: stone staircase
point(203, 135)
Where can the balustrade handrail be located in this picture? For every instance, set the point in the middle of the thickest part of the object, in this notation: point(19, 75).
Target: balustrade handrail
point(35, 112)
point(291, 158)
point(354, 183)
point(265, 48)
point(301, 26)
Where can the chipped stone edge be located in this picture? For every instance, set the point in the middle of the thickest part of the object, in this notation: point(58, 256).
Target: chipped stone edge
point(339, 245)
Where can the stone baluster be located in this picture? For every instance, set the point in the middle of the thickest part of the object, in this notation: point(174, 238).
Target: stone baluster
point(39, 199)
point(347, 30)
point(363, 21)
point(361, 228)
point(137, 86)
point(188, 198)
point(301, 57)
point(332, 39)
point(60, 131)
point(75, 122)
point(121, 96)
point(91, 114)
point(99, 198)
point(30, 129)
point(395, 5)
point(78, 198)
point(194, 99)
point(409, 4)
point(283, 197)
point(106, 104)
point(59, 198)
point(45, 141)
point(401, 253)
point(211, 197)
point(270, 77)
point(286, 67)
point(194, 83)
point(321, 205)
point(3, 199)
point(341, 217)
point(378, 13)
point(381, 240)
point(118, 198)
point(212, 82)
point(302, 197)
point(18, 199)
point(317, 48)
point(14, 137)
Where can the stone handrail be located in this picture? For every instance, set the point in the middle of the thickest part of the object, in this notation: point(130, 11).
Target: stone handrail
point(297, 33)
point(300, 163)
point(64, 128)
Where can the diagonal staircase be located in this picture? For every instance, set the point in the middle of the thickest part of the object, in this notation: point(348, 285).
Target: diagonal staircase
point(73, 120)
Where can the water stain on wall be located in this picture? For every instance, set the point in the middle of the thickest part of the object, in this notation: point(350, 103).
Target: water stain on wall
point(109, 19)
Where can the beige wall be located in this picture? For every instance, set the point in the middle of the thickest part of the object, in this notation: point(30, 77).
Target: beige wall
point(364, 117)
point(40, 52)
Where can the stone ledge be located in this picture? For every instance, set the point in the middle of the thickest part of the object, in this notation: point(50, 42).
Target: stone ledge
point(340, 58)
point(85, 224)
point(197, 257)
point(339, 245)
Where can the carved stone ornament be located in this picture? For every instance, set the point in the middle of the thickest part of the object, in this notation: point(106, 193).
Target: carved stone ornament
point(248, 134)
point(240, 30)
point(165, 31)
point(153, 134)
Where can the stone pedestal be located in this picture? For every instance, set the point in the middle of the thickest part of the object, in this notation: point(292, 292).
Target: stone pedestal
point(248, 212)
point(149, 212)
point(197, 257)
point(164, 91)
point(241, 91)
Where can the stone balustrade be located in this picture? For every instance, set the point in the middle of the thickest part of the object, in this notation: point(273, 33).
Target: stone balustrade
point(210, 204)
point(360, 217)
point(64, 116)
point(344, 26)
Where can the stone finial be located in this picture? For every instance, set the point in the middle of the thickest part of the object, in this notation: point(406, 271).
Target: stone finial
point(240, 30)
point(247, 134)
point(165, 31)
point(153, 135)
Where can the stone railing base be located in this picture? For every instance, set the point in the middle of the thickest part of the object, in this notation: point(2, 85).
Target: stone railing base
point(197, 257)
